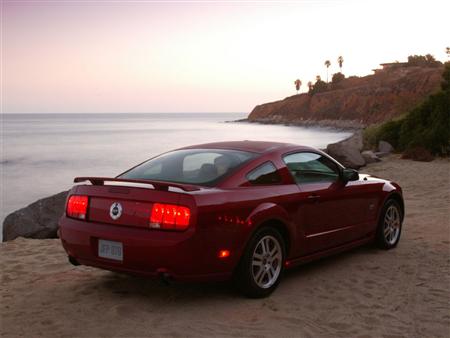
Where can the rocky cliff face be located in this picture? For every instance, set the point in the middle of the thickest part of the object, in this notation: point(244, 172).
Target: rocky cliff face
point(355, 102)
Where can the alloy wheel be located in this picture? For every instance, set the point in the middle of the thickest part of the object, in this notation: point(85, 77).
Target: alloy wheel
point(391, 228)
point(267, 261)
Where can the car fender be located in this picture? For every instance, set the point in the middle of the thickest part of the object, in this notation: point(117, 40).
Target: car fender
point(391, 189)
point(266, 212)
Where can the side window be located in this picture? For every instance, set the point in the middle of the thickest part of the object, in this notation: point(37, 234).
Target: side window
point(308, 167)
point(264, 174)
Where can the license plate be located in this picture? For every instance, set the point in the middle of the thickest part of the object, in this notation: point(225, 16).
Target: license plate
point(110, 249)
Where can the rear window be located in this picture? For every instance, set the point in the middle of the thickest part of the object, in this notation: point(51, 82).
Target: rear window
point(190, 166)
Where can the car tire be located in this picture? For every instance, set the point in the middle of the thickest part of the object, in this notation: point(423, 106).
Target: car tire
point(389, 225)
point(262, 264)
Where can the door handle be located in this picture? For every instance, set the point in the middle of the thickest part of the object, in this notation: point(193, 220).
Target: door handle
point(313, 197)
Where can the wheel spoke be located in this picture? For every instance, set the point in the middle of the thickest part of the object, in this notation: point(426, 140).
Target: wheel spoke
point(257, 256)
point(272, 270)
point(263, 247)
point(267, 245)
point(389, 214)
point(261, 276)
point(395, 215)
point(270, 274)
point(274, 252)
point(258, 275)
point(257, 263)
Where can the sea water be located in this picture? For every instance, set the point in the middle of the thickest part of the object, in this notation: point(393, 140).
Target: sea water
point(42, 153)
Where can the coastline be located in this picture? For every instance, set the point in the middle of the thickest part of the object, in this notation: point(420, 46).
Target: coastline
point(339, 125)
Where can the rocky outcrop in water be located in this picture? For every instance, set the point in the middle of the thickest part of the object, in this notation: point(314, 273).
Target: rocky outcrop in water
point(38, 220)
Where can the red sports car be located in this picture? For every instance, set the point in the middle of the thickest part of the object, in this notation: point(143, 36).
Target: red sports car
point(243, 210)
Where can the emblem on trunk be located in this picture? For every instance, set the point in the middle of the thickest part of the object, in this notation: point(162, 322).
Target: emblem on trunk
point(115, 211)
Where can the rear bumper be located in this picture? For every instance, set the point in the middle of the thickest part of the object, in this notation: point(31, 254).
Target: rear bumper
point(184, 256)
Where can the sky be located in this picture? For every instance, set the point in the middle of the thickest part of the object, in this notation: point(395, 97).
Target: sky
point(198, 56)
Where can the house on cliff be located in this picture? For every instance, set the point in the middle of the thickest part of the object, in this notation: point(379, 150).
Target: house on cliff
point(390, 66)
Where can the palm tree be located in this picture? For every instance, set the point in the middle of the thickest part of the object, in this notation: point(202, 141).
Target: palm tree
point(340, 60)
point(328, 64)
point(298, 84)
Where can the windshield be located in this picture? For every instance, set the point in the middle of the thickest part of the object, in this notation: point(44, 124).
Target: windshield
point(190, 166)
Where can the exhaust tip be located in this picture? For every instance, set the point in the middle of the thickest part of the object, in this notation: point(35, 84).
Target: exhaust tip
point(165, 277)
point(73, 261)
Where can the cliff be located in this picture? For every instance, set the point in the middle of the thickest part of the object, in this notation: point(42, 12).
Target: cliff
point(355, 101)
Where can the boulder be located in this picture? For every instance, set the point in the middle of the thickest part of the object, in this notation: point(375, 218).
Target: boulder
point(381, 154)
point(385, 147)
point(370, 157)
point(348, 151)
point(38, 220)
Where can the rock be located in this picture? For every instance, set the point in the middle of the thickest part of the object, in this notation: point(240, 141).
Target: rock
point(370, 157)
point(38, 220)
point(348, 151)
point(381, 154)
point(385, 147)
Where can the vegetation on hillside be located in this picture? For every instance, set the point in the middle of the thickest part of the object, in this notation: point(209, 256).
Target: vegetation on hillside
point(423, 60)
point(425, 127)
point(340, 61)
point(327, 64)
point(337, 77)
point(320, 86)
point(298, 84)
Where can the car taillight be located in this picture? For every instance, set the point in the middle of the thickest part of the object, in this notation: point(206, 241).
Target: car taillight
point(77, 206)
point(169, 217)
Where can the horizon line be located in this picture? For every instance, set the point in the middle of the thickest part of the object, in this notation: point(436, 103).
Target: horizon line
point(174, 112)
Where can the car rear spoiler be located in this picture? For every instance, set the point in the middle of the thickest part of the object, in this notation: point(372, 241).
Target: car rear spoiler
point(158, 185)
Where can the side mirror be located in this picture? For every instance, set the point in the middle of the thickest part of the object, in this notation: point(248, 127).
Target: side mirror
point(349, 175)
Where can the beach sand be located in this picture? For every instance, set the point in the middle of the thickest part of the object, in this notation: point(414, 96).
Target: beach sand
point(367, 292)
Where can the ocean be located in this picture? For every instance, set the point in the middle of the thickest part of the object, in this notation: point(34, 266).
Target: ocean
point(42, 153)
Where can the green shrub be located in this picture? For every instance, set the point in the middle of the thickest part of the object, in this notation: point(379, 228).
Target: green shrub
point(423, 60)
point(318, 87)
point(426, 126)
point(388, 131)
point(337, 77)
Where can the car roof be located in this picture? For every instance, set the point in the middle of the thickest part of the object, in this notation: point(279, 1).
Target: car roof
point(250, 146)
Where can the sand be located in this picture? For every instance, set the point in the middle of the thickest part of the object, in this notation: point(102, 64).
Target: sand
point(363, 293)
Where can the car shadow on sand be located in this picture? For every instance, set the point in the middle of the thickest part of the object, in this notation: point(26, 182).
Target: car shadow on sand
point(129, 286)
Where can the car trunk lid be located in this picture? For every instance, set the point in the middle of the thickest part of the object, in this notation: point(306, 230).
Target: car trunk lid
point(130, 202)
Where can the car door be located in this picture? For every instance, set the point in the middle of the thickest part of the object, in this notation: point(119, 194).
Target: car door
point(329, 212)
